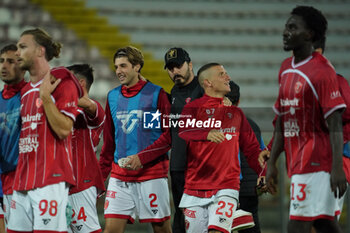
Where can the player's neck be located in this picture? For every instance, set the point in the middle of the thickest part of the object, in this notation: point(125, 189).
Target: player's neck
point(38, 71)
point(302, 53)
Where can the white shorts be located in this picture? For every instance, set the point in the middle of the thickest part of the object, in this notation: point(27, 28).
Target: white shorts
point(6, 207)
point(84, 218)
point(42, 209)
point(217, 215)
point(312, 198)
point(149, 200)
point(2, 211)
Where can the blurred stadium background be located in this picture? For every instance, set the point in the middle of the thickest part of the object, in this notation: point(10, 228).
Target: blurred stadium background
point(244, 35)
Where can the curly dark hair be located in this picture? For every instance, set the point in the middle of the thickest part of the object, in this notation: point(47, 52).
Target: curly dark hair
point(314, 20)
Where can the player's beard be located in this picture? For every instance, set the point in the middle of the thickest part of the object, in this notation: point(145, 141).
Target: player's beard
point(26, 64)
point(181, 80)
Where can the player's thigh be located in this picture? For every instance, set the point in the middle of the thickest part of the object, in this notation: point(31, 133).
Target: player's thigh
point(119, 202)
point(84, 218)
point(196, 219)
point(154, 205)
point(221, 213)
point(162, 227)
point(295, 226)
point(49, 205)
point(115, 225)
point(311, 197)
point(21, 214)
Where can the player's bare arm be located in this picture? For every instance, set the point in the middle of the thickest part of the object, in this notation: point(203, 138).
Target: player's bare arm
point(338, 179)
point(60, 124)
point(277, 148)
point(88, 105)
point(215, 136)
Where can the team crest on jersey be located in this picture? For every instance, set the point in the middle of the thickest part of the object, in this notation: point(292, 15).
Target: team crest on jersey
point(106, 204)
point(187, 224)
point(188, 99)
point(13, 204)
point(297, 87)
point(38, 103)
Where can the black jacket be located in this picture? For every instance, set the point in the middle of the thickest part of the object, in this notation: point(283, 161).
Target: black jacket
point(178, 98)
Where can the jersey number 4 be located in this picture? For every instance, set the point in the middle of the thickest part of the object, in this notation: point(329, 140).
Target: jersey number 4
point(81, 215)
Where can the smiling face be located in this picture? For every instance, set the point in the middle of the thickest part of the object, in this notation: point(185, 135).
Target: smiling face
point(9, 68)
point(181, 75)
point(295, 33)
point(127, 74)
point(217, 81)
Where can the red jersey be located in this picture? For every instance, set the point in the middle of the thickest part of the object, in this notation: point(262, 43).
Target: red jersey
point(215, 166)
point(44, 159)
point(308, 94)
point(85, 139)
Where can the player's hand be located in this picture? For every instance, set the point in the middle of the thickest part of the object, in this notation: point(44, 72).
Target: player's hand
point(261, 185)
point(215, 136)
point(134, 163)
point(271, 178)
point(48, 85)
point(227, 101)
point(338, 182)
point(263, 157)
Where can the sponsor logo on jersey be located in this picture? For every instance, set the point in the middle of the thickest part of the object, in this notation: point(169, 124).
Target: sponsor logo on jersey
point(295, 206)
point(291, 128)
point(155, 211)
point(221, 219)
point(335, 94)
point(31, 118)
point(129, 120)
point(79, 227)
point(190, 213)
point(111, 194)
point(28, 144)
point(9, 120)
point(289, 102)
point(46, 221)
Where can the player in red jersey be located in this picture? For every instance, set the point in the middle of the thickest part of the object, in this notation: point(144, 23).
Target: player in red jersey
point(49, 108)
point(214, 133)
point(308, 126)
point(86, 136)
